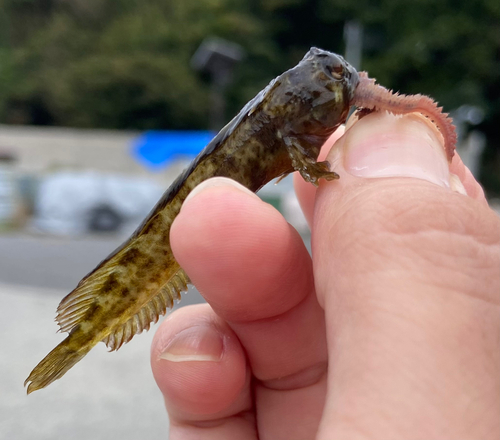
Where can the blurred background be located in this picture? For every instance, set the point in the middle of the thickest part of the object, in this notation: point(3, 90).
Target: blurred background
point(103, 103)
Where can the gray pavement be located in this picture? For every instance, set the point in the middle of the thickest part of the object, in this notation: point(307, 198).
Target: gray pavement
point(51, 262)
point(106, 395)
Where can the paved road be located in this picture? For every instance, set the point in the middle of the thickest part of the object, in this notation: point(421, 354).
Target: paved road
point(54, 263)
point(107, 395)
point(50, 262)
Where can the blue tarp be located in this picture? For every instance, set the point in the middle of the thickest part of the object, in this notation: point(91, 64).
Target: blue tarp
point(158, 149)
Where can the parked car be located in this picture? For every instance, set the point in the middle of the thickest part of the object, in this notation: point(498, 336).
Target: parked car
point(79, 202)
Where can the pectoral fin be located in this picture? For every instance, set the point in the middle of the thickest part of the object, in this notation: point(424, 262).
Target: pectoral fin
point(306, 165)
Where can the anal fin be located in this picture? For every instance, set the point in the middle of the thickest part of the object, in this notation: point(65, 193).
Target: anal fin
point(150, 312)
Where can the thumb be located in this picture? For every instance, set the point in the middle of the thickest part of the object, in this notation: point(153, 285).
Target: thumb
point(406, 268)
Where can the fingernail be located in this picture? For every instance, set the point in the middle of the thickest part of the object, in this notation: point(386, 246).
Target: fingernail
point(194, 344)
point(217, 181)
point(383, 145)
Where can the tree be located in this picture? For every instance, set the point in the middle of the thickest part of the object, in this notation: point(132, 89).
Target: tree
point(125, 64)
point(120, 67)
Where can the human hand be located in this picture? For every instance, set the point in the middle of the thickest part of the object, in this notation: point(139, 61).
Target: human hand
point(392, 333)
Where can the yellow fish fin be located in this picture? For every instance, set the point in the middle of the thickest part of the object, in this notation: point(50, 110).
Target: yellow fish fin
point(149, 312)
point(75, 305)
point(58, 361)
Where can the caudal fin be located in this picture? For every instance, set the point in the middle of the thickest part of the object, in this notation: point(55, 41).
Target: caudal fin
point(55, 365)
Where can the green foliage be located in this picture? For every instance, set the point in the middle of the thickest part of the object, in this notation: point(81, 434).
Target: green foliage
point(125, 63)
point(119, 67)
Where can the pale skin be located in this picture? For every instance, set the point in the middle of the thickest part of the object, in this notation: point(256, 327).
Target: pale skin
point(390, 331)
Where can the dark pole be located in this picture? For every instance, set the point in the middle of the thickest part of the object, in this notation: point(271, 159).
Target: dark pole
point(218, 57)
point(217, 105)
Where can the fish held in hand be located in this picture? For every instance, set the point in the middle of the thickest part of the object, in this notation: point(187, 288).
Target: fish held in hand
point(280, 131)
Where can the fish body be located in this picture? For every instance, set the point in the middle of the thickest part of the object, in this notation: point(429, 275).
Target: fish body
point(280, 131)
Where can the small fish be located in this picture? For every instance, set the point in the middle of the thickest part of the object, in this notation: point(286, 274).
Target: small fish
point(280, 131)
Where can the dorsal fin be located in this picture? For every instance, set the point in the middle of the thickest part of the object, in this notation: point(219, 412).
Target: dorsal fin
point(149, 313)
point(74, 305)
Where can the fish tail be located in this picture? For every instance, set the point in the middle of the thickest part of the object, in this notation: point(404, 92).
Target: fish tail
point(56, 363)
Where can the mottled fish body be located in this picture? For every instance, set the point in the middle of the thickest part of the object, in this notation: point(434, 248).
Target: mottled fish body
point(280, 131)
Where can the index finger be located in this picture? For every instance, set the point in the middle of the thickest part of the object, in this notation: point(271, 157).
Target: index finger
point(254, 270)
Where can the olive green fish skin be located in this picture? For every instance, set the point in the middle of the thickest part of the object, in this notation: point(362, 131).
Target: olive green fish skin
point(280, 131)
